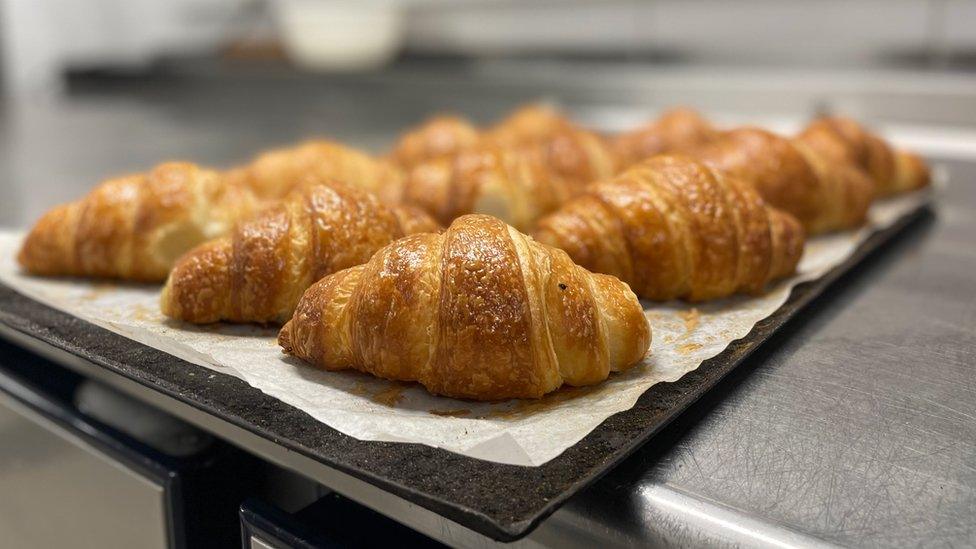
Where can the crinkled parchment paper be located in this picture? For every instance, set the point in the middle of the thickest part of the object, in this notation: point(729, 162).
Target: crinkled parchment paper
point(516, 432)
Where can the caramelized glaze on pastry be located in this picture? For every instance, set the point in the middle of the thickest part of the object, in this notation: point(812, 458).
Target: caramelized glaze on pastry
point(275, 173)
point(824, 195)
point(257, 273)
point(843, 140)
point(134, 227)
point(479, 312)
point(672, 227)
point(678, 130)
point(441, 136)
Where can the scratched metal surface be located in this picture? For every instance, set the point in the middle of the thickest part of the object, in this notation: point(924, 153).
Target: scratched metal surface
point(854, 426)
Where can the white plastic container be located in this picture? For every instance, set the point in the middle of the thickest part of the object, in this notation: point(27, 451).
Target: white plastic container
point(340, 35)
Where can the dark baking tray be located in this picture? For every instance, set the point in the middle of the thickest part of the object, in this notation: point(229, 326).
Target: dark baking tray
point(504, 502)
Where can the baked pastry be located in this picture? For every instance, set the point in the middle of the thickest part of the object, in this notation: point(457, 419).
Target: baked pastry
point(275, 173)
point(257, 273)
point(843, 140)
point(528, 124)
point(134, 227)
point(678, 130)
point(672, 227)
point(567, 150)
point(479, 312)
point(823, 195)
point(517, 183)
point(439, 137)
point(521, 168)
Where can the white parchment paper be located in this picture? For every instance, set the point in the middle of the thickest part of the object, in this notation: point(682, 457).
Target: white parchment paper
point(516, 432)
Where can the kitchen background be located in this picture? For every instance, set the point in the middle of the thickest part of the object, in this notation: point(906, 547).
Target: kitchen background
point(100, 87)
point(95, 88)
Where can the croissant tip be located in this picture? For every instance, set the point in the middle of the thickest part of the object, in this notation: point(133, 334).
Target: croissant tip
point(167, 305)
point(284, 338)
point(22, 256)
point(43, 251)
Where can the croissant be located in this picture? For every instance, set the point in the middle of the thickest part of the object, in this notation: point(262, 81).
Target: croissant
point(528, 124)
point(823, 195)
point(569, 152)
point(518, 184)
point(135, 227)
point(671, 227)
point(480, 312)
point(678, 130)
point(439, 137)
point(258, 273)
point(843, 140)
point(275, 173)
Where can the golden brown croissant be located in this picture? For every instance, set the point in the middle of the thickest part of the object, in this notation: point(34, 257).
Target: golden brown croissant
point(528, 124)
point(518, 184)
point(845, 141)
point(135, 227)
point(823, 195)
point(570, 150)
point(439, 137)
point(275, 173)
point(567, 151)
point(672, 227)
point(258, 272)
point(480, 311)
point(678, 130)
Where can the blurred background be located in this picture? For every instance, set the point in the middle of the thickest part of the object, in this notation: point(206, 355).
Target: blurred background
point(99, 87)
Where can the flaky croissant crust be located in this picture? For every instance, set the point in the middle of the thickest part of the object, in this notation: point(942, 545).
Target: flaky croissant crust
point(671, 227)
point(529, 124)
point(258, 273)
point(843, 140)
point(570, 152)
point(480, 312)
point(518, 184)
point(822, 194)
point(678, 130)
point(442, 136)
point(273, 174)
point(134, 227)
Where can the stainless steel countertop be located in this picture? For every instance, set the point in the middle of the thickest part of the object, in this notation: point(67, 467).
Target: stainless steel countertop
point(855, 426)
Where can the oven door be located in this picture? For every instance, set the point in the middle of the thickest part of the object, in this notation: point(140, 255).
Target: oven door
point(84, 466)
point(59, 490)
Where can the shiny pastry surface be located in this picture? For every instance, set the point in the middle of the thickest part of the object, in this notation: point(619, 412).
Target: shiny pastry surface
point(259, 271)
point(517, 183)
point(845, 141)
point(273, 174)
point(480, 312)
point(134, 227)
point(441, 136)
point(671, 227)
point(678, 130)
point(793, 177)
